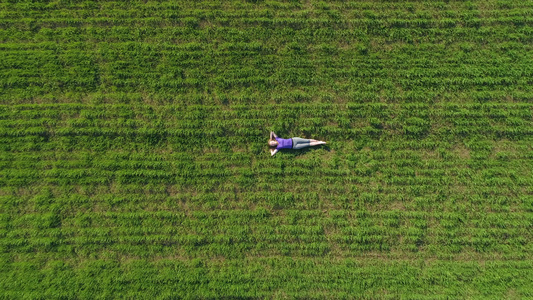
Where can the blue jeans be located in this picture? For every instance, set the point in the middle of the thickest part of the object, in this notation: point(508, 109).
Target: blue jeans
point(299, 143)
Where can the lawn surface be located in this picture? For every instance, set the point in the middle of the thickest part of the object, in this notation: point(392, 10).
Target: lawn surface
point(134, 163)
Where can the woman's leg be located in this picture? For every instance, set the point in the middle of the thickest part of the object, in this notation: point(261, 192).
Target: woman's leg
point(299, 143)
point(315, 143)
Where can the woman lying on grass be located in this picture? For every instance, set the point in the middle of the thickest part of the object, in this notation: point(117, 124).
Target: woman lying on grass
point(275, 143)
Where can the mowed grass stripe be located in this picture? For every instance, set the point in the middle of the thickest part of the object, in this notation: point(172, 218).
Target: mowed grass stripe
point(210, 49)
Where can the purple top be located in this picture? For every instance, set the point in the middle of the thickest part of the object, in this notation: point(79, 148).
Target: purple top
point(284, 143)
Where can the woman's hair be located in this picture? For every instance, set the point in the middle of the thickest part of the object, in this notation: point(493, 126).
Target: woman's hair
point(272, 143)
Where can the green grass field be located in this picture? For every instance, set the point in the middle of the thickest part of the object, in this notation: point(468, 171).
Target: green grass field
point(134, 163)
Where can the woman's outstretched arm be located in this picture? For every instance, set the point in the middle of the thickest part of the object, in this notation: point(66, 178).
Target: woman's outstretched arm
point(273, 135)
point(273, 151)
